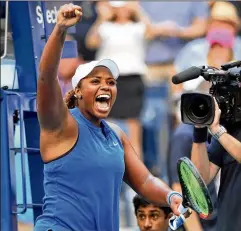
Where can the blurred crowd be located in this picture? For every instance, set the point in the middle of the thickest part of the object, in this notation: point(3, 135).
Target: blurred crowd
point(150, 42)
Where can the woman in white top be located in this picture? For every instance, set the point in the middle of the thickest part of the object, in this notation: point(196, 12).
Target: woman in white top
point(120, 33)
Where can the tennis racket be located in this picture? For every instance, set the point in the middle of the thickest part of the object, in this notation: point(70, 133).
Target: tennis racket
point(194, 191)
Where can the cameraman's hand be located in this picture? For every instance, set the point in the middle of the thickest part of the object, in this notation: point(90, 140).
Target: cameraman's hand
point(68, 15)
point(216, 122)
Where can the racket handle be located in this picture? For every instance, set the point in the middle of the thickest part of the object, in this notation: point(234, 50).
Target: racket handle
point(182, 209)
point(176, 222)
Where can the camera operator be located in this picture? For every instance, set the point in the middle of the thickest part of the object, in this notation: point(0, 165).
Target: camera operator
point(223, 153)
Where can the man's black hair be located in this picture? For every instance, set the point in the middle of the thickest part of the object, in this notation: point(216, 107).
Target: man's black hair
point(139, 201)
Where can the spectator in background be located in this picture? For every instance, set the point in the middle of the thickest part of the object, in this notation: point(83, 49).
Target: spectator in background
point(220, 46)
point(82, 28)
point(151, 217)
point(119, 33)
point(180, 22)
point(237, 4)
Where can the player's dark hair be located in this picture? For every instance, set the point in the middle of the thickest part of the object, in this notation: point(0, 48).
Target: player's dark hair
point(139, 201)
point(70, 99)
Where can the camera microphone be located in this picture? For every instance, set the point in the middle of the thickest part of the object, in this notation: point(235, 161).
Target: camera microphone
point(189, 74)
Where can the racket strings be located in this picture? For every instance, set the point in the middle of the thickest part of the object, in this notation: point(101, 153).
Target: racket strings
point(194, 190)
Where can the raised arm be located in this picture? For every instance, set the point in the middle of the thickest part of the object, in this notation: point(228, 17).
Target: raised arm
point(50, 105)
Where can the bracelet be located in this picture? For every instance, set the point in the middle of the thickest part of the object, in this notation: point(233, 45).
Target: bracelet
point(219, 133)
point(171, 194)
point(200, 135)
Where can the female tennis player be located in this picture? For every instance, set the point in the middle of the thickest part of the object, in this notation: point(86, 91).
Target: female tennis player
point(85, 158)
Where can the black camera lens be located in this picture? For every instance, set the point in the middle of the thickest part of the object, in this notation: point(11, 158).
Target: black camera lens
point(199, 109)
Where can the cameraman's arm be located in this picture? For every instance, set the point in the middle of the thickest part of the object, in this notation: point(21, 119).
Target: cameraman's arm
point(229, 143)
point(199, 157)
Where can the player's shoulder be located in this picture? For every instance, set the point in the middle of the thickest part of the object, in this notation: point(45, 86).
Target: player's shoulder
point(118, 131)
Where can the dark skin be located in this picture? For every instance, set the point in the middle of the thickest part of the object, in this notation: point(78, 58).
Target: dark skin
point(99, 81)
point(59, 130)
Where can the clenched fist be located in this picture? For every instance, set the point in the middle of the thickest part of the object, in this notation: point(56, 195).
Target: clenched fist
point(68, 15)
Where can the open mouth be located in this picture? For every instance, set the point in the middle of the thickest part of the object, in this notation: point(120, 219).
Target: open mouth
point(102, 102)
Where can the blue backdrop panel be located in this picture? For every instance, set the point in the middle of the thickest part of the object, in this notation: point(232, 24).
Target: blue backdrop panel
point(35, 163)
point(27, 44)
point(8, 202)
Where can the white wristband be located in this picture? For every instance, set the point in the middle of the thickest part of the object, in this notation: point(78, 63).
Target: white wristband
point(170, 195)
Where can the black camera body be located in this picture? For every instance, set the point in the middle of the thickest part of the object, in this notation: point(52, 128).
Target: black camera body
point(199, 108)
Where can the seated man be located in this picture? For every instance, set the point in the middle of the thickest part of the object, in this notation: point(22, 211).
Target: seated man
point(150, 216)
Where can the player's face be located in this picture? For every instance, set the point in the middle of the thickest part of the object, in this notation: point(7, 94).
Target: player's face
point(98, 91)
point(151, 218)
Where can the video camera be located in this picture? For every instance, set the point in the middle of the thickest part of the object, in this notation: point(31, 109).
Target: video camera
point(199, 108)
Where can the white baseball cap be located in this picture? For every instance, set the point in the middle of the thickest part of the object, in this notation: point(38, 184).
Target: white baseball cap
point(117, 3)
point(84, 69)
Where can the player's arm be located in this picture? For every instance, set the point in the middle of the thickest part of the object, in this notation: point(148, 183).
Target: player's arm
point(52, 112)
point(138, 177)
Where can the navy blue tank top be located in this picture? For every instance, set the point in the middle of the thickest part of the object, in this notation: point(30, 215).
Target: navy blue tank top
point(82, 188)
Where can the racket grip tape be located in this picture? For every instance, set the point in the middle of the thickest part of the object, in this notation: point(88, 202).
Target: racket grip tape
point(182, 209)
point(176, 222)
